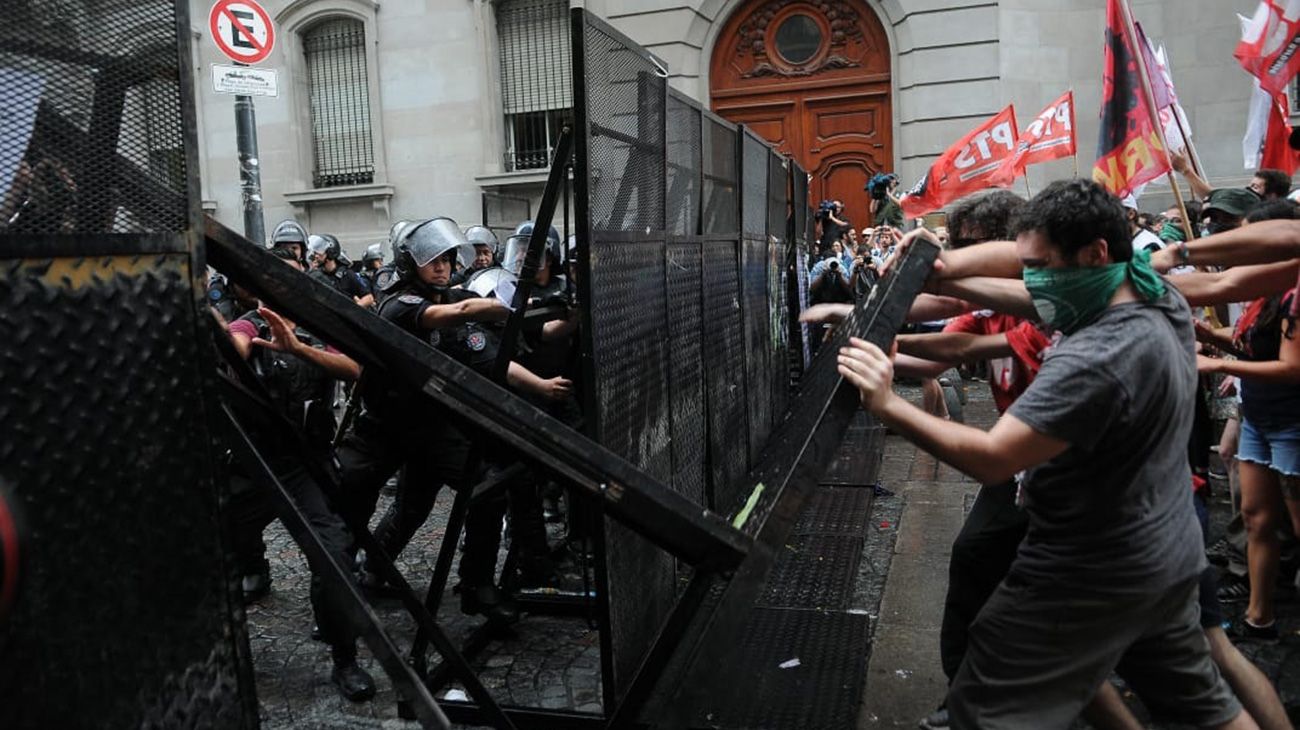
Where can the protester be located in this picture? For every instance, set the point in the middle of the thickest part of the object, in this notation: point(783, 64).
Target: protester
point(1124, 558)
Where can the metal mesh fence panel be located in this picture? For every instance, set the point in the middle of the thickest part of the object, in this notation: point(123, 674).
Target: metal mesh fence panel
point(754, 286)
point(779, 256)
point(625, 122)
point(93, 91)
point(683, 152)
point(687, 316)
point(724, 351)
point(799, 215)
point(721, 179)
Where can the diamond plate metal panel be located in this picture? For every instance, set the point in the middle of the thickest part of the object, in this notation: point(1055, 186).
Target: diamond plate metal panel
point(814, 572)
point(758, 341)
point(125, 613)
point(753, 210)
point(721, 178)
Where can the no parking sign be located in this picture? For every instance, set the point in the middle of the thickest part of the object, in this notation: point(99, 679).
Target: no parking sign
point(242, 30)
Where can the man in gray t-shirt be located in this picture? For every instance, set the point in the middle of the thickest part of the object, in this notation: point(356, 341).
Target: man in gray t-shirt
point(1106, 578)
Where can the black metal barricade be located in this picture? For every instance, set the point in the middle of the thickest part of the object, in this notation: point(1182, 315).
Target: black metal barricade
point(124, 610)
point(690, 234)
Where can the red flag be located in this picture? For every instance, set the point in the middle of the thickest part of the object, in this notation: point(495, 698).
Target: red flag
point(1049, 137)
point(1130, 152)
point(1278, 154)
point(1270, 44)
point(974, 163)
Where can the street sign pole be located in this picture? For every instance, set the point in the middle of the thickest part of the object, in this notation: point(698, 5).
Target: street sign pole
point(242, 30)
point(250, 169)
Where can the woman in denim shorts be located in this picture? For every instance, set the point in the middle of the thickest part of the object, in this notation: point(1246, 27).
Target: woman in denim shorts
point(1269, 448)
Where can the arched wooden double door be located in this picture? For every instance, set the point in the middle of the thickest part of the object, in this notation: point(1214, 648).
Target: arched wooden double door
point(811, 77)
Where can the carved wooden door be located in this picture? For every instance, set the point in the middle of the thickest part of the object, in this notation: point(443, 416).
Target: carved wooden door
point(811, 77)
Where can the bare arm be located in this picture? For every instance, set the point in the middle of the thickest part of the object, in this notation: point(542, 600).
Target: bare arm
point(1008, 296)
point(1239, 284)
point(1200, 188)
point(1286, 369)
point(470, 310)
point(367, 301)
point(991, 457)
point(929, 307)
point(283, 339)
point(521, 378)
point(915, 367)
point(954, 346)
point(1265, 242)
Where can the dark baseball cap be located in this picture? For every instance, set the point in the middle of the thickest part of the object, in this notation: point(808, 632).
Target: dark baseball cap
point(1236, 202)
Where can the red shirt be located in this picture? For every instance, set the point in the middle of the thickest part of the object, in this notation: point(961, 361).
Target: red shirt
point(1008, 376)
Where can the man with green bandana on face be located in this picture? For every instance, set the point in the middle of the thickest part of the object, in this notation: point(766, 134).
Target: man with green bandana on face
point(1106, 578)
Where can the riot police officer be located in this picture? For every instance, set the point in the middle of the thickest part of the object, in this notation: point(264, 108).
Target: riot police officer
point(291, 236)
point(332, 268)
point(402, 428)
point(298, 371)
point(371, 264)
point(485, 252)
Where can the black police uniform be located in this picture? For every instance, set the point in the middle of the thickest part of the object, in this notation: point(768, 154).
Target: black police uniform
point(402, 428)
point(301, 390)
point(343, 280)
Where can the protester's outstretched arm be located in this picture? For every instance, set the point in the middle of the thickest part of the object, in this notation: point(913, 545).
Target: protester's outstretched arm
point(1008, 296)
point(931, 307)
point(996, 258)
point(1200, 188)
point(991, 457)
point(1239, 284)
point(915, 367)
point(1286, 369)
point(954, 347)
point(1265, 242)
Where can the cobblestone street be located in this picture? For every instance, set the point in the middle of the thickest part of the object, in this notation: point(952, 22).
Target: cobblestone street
point(554, 663)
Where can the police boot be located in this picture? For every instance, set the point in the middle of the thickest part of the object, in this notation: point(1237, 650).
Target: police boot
point(489, 602)
point(353, 682)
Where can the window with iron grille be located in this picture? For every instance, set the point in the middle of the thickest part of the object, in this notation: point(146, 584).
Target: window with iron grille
point(340, 103)
point(536, 83)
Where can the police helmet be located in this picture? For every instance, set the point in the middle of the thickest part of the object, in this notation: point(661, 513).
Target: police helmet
point(517, 247)
point(425, 241)
point(291, 233)
point(395, 232)
point(483, 236)
point(374, 252)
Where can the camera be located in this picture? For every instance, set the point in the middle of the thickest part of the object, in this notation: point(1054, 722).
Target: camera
point(825, 209)
point(879, 185)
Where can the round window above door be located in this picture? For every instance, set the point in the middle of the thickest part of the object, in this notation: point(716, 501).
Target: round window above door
point(798, 39)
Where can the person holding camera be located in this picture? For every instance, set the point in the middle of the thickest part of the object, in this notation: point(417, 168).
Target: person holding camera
point(886, 210)
point(831, 216)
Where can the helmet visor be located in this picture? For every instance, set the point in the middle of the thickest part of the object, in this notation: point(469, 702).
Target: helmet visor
point(435, 237)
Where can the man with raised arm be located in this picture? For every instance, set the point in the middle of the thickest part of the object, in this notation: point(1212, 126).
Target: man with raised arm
point(1107, 575)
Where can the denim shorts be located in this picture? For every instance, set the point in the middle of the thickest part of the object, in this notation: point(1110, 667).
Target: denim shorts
point(1274, 446)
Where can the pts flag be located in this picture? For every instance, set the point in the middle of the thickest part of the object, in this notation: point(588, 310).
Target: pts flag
point(974, 163)
point(1129, 153)
point(1049, 137)
point(1270, 44)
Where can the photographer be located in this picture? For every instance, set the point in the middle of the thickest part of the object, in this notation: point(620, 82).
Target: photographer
point(830, 281)
point(864, 272)
point(885, 207)
point(831, 216)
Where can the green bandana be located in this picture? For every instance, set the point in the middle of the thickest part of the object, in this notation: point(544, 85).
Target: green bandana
point(1172, 233)
point(1070, 299)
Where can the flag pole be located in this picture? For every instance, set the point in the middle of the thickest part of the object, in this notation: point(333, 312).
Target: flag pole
point(1140, 60)
point(1076, 163)
point(1028, 192)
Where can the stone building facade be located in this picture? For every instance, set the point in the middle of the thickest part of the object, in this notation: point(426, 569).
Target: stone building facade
point(411, 108)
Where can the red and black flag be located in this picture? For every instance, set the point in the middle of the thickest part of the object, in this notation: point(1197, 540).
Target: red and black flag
point(1130, 152)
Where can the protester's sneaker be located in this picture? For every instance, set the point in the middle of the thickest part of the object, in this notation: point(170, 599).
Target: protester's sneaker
point(1244, 630)
point(936, 720)
point(1235, 591)
point(1220, 553)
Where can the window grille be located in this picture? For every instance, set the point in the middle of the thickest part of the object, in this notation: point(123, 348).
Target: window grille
point(536, 83)
point(340, 103)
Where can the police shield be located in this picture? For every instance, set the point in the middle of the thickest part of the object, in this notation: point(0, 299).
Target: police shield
point(484, 283)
